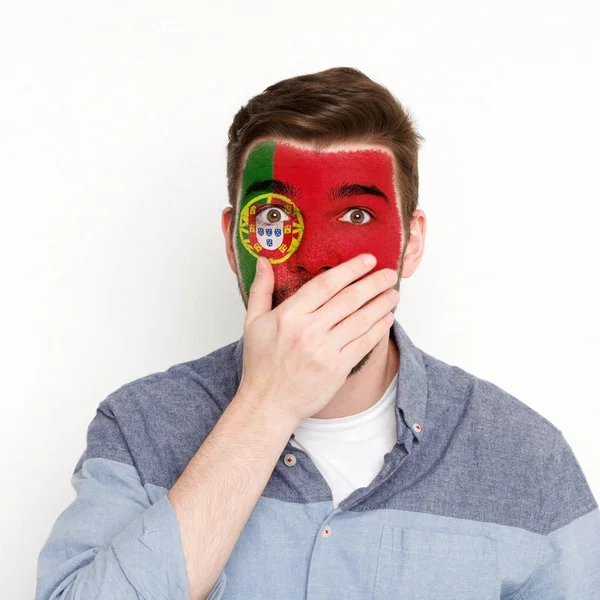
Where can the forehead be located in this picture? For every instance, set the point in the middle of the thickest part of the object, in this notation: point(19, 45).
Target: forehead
point(359, 155)
point(319, 169)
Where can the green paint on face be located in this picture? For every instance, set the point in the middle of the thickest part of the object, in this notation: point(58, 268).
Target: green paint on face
point(258, 167)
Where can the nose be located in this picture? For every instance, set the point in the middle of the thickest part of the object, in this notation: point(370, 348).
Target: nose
point(314, 255)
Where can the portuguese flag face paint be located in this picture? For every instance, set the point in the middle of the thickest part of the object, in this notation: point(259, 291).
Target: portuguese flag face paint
point(307, 211)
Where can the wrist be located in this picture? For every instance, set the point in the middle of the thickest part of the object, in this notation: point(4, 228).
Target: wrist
point(265, 409)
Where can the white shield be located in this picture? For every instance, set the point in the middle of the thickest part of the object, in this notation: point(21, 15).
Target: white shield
point(269, 235)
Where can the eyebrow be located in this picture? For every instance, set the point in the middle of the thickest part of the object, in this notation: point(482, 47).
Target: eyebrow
point(348, 190)
point(272, 185)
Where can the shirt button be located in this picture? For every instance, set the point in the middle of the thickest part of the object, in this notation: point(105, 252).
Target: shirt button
point(289, 460)
point(417, 427)
point(326, 531)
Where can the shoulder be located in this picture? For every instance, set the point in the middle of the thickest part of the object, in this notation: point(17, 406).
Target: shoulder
point(492, 405)
point(158, 421)
point(196, 382)
point(514, 452)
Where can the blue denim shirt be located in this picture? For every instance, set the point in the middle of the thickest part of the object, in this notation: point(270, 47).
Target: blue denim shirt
point(481, 498)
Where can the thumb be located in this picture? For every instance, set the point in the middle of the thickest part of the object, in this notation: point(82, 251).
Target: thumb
point(260, 297)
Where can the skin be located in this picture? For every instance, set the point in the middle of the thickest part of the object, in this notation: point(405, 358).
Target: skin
point(332, 233)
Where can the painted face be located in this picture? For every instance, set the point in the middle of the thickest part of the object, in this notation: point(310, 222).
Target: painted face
point(307, 211)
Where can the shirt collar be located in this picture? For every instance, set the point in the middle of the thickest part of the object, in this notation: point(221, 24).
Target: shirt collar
point(411, 393)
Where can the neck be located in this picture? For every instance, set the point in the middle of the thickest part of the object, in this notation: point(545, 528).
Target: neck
point(364, 389)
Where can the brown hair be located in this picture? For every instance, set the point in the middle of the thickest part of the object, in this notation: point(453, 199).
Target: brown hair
point(336, 105)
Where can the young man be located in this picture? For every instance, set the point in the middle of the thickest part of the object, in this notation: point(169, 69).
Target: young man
point(323, 455)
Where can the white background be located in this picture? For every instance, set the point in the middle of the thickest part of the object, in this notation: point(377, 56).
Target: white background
point(113, 127)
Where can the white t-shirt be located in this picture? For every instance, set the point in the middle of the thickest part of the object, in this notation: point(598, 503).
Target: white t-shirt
point(349, 451)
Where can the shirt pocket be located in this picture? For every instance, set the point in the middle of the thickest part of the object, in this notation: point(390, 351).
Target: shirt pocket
point(415, 564)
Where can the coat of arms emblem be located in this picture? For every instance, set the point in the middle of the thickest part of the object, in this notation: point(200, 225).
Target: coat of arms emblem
point(271, 225)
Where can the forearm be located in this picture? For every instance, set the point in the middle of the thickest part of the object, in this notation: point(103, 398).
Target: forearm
point(218, 490)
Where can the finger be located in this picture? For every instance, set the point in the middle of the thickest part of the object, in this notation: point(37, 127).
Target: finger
point(352, 297)
point(321, 288)
point(260, 296)
point(357, 349)
point(359, 322)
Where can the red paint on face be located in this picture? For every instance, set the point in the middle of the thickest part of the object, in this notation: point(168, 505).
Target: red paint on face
point(327, 241)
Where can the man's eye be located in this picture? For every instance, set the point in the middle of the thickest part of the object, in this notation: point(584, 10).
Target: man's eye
point(273, 214)
point(358, 216)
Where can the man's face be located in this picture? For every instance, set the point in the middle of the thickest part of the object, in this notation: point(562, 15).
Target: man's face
point(308, 211)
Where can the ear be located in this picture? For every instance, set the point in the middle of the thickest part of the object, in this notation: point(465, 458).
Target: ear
point(227, 224)
point(416, 244)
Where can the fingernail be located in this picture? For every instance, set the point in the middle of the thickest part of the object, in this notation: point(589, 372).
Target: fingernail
point(391, 276)
point(369, 260)
point(259, 266)
point(389, 318)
